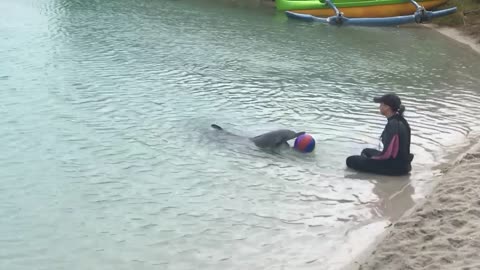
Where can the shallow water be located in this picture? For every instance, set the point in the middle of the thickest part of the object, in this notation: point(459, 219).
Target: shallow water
point(109, 162)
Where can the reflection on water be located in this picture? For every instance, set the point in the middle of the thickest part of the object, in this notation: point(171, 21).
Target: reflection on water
point(394, 199)
point(107, 149)
point(394, 195)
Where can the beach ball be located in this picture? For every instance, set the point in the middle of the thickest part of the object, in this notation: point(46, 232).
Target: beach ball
point(304, 143)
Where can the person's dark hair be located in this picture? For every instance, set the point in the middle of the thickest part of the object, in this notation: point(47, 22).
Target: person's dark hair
point(401, 110)
point(392, 101)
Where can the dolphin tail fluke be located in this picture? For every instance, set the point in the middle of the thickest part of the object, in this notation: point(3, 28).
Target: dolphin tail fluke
point(217, 127)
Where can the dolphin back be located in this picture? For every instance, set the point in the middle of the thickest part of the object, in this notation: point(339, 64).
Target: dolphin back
point(275, 138)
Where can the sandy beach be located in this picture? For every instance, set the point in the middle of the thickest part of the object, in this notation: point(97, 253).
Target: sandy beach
point(443, 232)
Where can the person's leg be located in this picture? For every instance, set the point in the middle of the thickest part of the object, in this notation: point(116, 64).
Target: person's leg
point(358, 163)
point(364, 164)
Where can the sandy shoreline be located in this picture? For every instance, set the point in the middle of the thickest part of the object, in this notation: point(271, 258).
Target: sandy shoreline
point(442, 232)
point(457, 35)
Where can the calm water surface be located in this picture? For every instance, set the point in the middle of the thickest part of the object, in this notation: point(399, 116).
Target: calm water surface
point(108, 161)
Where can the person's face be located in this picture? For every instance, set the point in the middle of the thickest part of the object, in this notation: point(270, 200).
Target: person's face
point(385, 109)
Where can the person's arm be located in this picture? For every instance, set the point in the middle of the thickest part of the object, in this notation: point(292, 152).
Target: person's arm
point(370, 152)
point(391, 142)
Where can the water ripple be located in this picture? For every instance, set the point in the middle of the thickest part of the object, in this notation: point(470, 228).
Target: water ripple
point(107, 146)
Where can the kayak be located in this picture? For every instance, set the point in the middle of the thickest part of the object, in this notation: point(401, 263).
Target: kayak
point(364, 12)
point(355, 8)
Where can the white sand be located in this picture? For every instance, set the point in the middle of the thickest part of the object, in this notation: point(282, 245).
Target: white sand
point(443, 232)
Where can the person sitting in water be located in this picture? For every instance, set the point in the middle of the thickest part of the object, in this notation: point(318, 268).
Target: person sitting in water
point(395, 159)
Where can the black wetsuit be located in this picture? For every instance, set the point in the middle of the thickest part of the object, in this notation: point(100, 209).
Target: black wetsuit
point(395, 159)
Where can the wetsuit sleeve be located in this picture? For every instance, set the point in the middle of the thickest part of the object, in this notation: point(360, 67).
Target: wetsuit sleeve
point(391, 142)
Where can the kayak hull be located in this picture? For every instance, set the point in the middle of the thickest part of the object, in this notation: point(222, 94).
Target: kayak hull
point(358, 9)
point(386, 21)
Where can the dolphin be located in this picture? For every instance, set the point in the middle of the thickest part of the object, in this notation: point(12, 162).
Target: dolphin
point(270, 139)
